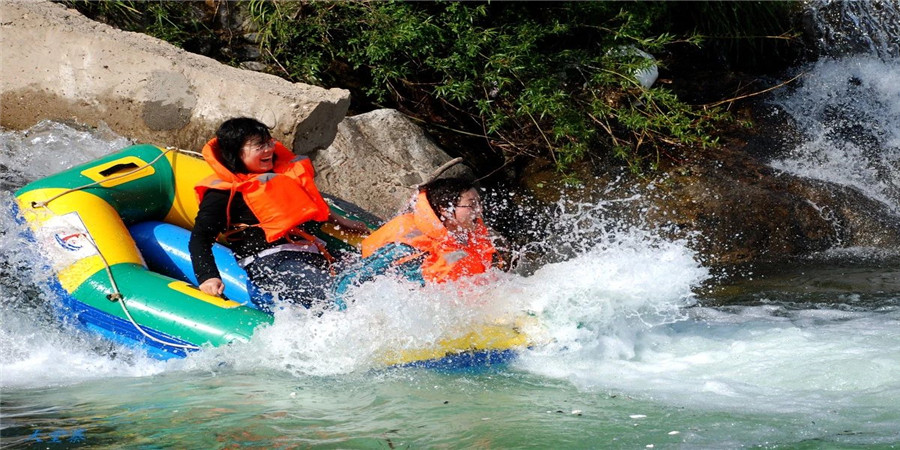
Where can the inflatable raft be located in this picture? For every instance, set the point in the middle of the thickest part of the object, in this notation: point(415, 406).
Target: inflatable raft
point(115, 231)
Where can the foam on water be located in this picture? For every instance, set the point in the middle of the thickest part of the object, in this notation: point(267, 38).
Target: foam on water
point(51, 147)
point(36, 353)
point(766, 359)
point(36, 349)
point(384, 316)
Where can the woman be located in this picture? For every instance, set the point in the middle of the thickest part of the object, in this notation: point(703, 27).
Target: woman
point(259, 197)
point(443, 239)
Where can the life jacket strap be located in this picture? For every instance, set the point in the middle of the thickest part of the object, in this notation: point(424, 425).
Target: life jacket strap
point(234, 229)
point(408, 258)
point(296, 234)
point(309, 248)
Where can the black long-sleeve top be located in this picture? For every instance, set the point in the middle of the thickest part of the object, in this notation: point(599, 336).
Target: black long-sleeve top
point(211, 220)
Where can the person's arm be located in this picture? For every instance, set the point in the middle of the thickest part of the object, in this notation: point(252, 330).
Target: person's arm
point(352, 225)
point(383, 261)
point(502, 258)
point(209, 223)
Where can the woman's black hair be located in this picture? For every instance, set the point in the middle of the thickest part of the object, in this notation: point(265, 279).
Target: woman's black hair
point(233, 134)
point(445, 192)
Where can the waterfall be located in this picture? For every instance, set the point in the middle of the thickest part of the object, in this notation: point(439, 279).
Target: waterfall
point(842, 28)
point(846, 107)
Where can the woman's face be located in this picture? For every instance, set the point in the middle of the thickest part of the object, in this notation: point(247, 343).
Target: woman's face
point(463, 216)
point(258, 155)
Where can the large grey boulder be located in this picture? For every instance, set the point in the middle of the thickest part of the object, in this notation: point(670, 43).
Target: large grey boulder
point(56, 64)
point(377, 159)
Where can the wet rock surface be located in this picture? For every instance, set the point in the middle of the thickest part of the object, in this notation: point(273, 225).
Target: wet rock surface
point(731, 205)
point(377, 159)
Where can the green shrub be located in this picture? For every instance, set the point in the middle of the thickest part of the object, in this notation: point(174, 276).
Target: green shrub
point(553, 79)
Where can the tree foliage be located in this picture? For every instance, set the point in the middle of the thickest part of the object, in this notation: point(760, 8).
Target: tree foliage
point(554, 79)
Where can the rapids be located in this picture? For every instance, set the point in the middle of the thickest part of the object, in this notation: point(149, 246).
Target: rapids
point(643, 346)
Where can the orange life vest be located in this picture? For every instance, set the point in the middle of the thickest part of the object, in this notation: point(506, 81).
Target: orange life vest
point(445, 258)
point(281, 199)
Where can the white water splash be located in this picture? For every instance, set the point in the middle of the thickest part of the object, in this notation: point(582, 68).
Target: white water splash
point(855, 27)
point(849, 113)
point(38, 353)
point(598, 307)
point(646, 341)
point(51, 147)
point(618, 279)
point(765, 359)
point(384, 316)
point(36, 348)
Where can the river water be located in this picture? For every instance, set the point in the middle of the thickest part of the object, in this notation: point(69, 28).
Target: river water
point(644, 347)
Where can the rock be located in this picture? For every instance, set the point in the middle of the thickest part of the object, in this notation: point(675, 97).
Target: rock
point(58, 65)
point(255, 66)
point(743, 211)
point(376, 160)
point(731, 207)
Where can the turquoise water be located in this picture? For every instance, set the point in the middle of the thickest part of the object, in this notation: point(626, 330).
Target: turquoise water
point(406, 409)
point(796, 360)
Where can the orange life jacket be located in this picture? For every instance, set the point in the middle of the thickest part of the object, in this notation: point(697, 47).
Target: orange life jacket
point(281, 199)
point(445, 258)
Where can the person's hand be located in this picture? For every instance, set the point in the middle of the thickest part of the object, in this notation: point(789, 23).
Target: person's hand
point(358, 226)
point(213, 286)
point(352, 225)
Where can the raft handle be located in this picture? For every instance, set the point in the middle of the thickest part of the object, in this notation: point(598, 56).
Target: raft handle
point(105, 173)
point(114, 297)
point(118, 168)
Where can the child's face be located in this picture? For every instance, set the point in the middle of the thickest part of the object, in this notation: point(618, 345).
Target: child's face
point(464, 214)
point(258, 155)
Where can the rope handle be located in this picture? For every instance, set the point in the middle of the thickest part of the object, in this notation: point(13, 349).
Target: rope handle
point(35, 204)
point(329, 258)
point(116, 296)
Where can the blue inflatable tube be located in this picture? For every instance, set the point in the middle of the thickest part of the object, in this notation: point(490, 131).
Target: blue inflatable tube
point(165, 250)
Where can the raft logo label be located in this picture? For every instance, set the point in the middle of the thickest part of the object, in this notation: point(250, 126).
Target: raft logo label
point(71, 242)
point(65, 240)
